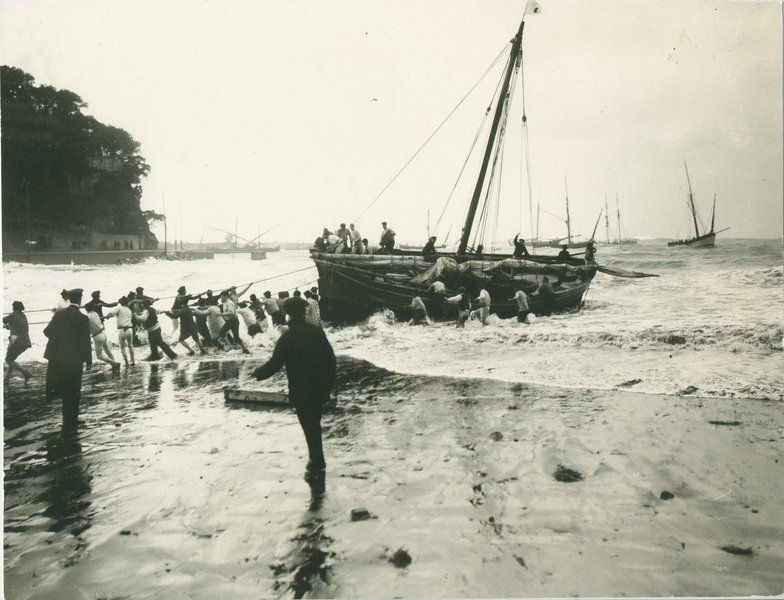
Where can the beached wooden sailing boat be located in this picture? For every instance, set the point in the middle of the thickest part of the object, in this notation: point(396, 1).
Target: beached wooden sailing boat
point(353, 286)
point(700, 240)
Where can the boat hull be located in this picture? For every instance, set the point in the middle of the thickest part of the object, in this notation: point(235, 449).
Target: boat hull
point(704, 241)
point(350, 294)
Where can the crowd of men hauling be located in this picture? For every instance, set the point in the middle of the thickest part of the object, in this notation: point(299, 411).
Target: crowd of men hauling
point(207, 320)
point(201, 322)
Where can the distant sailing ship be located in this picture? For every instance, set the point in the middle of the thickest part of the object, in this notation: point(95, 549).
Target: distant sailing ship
point(618, 240)
point(704, 240)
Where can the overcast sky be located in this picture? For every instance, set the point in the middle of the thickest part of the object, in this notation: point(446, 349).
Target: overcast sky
point(296, 114)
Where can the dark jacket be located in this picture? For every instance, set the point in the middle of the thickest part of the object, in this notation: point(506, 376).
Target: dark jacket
point(520, 250)
point(69, 337)
point(99, 305)
point(310, 364)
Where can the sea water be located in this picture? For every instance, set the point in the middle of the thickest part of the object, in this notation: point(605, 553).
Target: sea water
point(710, 324)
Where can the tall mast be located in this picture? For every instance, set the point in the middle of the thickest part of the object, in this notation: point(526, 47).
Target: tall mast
point(568, 219)
point(514, 57)
point(606, 222)
point(691, 202)
point(713, 214)
point(618, 212)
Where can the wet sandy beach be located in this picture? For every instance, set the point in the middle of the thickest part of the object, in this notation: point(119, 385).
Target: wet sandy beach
point(167, 492)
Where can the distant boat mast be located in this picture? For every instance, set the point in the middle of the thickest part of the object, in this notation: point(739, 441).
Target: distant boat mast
point(606, 222)
point(568, 219)
point(691, 202)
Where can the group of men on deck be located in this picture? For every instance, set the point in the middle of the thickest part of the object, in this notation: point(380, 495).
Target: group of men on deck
point(348, 240)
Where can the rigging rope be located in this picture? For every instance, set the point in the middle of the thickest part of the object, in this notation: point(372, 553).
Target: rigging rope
point(170, 297)
point(473, 144)
point(400, 171)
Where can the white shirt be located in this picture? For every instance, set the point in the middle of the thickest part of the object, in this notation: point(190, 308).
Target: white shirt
point(229, 308)
point(484, 299)
point(270, 305)
point(123, 314)
point(417, 303)
point(214, 320)
point(438, 287)
point(355, 235)
point(248, 316)
point(521, 299)
point(96, 326)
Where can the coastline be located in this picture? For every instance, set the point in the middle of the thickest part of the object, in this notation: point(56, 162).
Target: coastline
point(174, 493)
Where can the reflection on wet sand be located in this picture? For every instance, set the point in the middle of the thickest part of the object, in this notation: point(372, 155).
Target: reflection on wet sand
point(306, 567)
point(167, 491)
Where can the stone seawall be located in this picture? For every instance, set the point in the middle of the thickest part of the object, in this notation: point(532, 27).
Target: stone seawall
point(92, 257)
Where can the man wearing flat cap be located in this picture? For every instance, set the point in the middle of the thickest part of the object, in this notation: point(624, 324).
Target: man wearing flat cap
point(310, 368)
point(67, 351)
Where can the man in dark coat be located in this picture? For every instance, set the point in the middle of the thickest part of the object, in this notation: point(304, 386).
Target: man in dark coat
point(67, 351)
point(520, 251)
point(311, 371)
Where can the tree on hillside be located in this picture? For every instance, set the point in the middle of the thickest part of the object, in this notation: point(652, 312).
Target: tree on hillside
point(63, 170)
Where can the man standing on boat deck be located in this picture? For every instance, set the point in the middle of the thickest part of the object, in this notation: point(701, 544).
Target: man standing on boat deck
point(429, 249)
point(387, 238)
point(68, 350)
point(311, 370)
point(520, 250)
point(345, 237)
point(356, 240)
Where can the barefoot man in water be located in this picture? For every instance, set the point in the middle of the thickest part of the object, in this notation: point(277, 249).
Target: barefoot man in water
point(310, 368)
point(18, 341)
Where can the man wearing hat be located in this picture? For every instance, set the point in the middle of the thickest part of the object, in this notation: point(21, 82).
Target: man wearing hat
point(68, 350)
point(98, 304)
point(310, 368)
point(18, 341)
